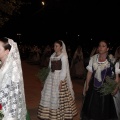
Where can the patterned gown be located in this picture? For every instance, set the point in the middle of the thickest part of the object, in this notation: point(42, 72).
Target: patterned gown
point(55, 104)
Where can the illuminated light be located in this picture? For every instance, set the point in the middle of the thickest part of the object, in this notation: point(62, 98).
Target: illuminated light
point(43, 3)
point(18, 33)
point(91, 38)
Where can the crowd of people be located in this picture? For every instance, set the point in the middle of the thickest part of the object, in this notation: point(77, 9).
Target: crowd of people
point(57, 96)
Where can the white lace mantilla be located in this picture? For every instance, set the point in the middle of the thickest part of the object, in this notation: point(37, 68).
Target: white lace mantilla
point(97, 66)
point(12, 95)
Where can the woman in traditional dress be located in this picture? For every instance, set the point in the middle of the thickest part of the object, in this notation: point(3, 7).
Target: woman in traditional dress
point(117, 53)
point(57, 97)
point(77, 64)
point(12, 96)
point(97, 106)
point(117, 96)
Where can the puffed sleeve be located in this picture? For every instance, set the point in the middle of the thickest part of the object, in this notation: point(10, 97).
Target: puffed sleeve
point(117, 68)
point(89, 67)
point(63, 72)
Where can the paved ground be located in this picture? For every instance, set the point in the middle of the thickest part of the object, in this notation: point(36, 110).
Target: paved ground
point(33, 90)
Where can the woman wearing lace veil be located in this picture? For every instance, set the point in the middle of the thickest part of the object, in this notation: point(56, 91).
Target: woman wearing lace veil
point(12, 96)
point(57, 97)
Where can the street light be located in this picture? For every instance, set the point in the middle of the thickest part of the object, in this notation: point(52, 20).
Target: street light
point(19, 34)
point(43, 3)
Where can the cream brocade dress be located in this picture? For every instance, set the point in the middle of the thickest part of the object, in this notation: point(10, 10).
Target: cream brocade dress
point(55, 104)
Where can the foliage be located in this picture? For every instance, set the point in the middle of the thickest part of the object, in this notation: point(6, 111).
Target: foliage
point(9, 8)
point(109, 86)
point(43, 73)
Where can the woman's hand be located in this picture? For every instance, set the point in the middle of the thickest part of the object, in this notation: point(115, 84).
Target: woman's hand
point(115, 92)
point(85, 89)
point(117, 88)
point(89, 75)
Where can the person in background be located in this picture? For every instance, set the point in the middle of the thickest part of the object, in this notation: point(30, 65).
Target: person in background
point(117, 53)
point(94, 51)
point(77, 65)
point(117, 70)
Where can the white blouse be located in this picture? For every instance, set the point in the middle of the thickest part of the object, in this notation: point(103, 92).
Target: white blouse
point(94, 60)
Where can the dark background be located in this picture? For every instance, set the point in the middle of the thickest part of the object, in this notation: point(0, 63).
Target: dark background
point(75, 22)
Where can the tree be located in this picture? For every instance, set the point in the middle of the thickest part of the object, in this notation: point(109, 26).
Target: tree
point(9, 8)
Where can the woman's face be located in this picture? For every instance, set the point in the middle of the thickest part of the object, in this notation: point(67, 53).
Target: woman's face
point(57, 47)
point(102, 48)
point(3, 52)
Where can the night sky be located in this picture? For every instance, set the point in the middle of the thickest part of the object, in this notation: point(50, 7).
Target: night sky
point(74, 21)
